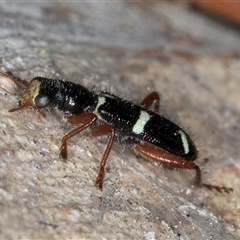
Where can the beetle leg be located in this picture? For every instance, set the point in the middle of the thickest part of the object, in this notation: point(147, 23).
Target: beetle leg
point(85, 119)
point(167, 159)
point(151, 100)
point(100, 131)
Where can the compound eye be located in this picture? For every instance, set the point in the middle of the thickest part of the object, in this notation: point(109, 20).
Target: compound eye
point(42, 101)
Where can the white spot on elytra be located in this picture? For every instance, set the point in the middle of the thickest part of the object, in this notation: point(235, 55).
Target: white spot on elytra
point(144, 117)
point(184, 141)
point(101, 101)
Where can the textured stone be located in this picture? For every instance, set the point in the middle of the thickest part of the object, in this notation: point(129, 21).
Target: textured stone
point(131, 49)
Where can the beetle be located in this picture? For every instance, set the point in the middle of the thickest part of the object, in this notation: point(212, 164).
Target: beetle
point(151, 134)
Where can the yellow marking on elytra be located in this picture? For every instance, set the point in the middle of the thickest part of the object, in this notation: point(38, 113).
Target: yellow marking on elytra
point(184, 141)
point(144, 117)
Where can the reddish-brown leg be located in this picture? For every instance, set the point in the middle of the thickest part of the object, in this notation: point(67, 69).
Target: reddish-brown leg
point(153, 100)
point(85, 119)
point(167, 159)
point(100, 131)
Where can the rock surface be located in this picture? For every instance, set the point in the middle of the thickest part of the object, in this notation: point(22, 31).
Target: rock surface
point(131, 49)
